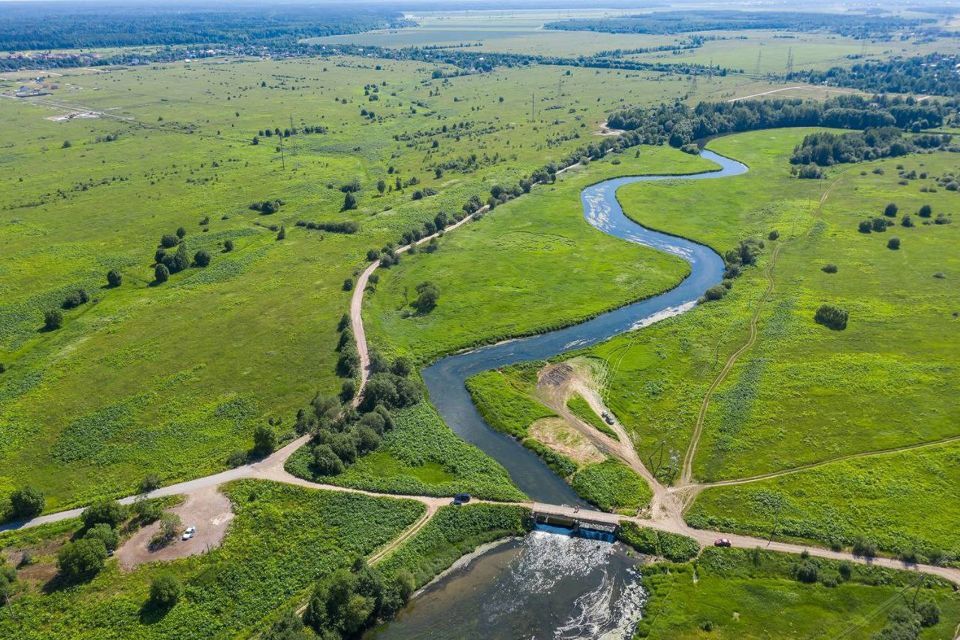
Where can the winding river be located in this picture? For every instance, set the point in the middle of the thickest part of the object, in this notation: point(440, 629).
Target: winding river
point(445, 378)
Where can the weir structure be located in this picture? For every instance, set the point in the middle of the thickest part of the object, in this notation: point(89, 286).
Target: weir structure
point(575, 518)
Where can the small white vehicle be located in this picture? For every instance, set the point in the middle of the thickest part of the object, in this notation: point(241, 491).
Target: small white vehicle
point(188, 533)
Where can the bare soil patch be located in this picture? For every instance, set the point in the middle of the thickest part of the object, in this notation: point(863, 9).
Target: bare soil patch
point(206, 509)
point(557, 434)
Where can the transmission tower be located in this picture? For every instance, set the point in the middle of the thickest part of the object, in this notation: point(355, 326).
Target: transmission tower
point(789, 60)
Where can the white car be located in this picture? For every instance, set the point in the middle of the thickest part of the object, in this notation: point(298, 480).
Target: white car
point(189, 533)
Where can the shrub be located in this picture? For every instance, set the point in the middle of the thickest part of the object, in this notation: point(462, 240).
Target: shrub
point(161, 274)
point(81, 559)
point(264, 441)
point(108, 512)
point(181, 232)
point(808, 572)
point(150, 482)
point(832, 317)
point(105, 534)
point(165, 590)
point(864, 548)
point(880, 224)
point(829, 268)
point(773, 235)
point(672, 546)
point(865, 226)
point(929, 613)
point(906, 221)
point(349, 202)
point(893, 243)
point(52, 319)
point(890, 210)
point(26, 503)
point(925, 211)
point(716, 292)
point(75, 299)
point(237, 459)
point(201, 258)
point(326, 462)
point(228, 246)
point(169, 241)
point(348, 284)
point(114, 278)
point(427, 299)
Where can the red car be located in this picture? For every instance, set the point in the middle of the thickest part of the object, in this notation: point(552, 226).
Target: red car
point(722, 542)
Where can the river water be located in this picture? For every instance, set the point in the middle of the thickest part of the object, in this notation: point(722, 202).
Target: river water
point(546, 586)
point(445, 378)
point(550, 584)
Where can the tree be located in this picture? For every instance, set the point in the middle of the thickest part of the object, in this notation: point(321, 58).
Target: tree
point(170, 525)
point(929, 612)
point(165, 590)
point(181, 232)
point(81, 559)
point(282, 233)
point(865, 226)
point(808, 572)
point(114, 278)
point(161, 274)
point(201, 258)
point(381, 185)
point(427, 299)
point(264, 441)
point(347, 390)
point(108, 512)
point(150, 482)
point(893, 243)
point(925, 211)
point(906, 221)
point(66, 144)
point(326, 462)
point(8, 578)
point(26, 503)
point(890, 210)
point(832, 317)
point(349, 201)
point(289, 627)
point(104, 533)
point(227, 246)
point(829, 268)
point(348, 284)
point(401, 367)
point(169, 241)
point(52, 319)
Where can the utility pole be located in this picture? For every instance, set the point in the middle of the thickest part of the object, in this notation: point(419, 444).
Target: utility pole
point(283, 164)
point(789, 60)
point(533, 108)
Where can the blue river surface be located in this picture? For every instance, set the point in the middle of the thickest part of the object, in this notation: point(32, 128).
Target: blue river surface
point(446, 378)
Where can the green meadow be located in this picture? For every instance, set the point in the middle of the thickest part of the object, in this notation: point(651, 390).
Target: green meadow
point(172, 379)
point(283, 539)
point(736, 594)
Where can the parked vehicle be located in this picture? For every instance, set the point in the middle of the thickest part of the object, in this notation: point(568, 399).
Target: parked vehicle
point(722, 542)
point(188, 533)
point(607, 418)
point(461, 498)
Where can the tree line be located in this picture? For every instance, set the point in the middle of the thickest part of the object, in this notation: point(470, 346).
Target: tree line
point(932, 74)
point(678, 124)
point(826, 149)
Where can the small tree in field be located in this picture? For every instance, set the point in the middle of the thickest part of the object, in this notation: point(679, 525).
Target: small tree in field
point(165, 590)
point(264, 441)
point(26, 503)
point(428, 296)
point(893, 243)
point(114, 278)
point(201, 258)
point(890, 210)
point(161, 274)
point(52, 320)
point(832, 317)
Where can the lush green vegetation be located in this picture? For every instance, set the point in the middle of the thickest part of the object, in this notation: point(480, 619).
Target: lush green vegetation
point(671, 546)
point(282, 539)
point(419, 456)
point(612, 486)
point(496, 275)
point(662, 22)
point(902, 503)
point(505, 401)
point(679, 124)
point(732, 593)
point(581, 408)
point(214, 334)
point(453, 532)
point(827, 149)
point(920, 75)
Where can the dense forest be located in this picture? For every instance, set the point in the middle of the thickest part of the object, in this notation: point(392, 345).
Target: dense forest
point(679, 124)
point(669, 22)
point(50, 25)
point(933, 74)
point(827, 149)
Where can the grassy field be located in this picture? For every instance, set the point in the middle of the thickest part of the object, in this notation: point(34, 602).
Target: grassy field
point(283, 539)
point(580, 408)
point(497, 276)
point(904, 503)
point(453, 532)
point(172, 148)
point(419, 456)
point(736, 594)
point(504, 400)
point(612, 486)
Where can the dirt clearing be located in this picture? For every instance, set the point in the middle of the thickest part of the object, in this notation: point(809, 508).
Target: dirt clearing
point(206, 509)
